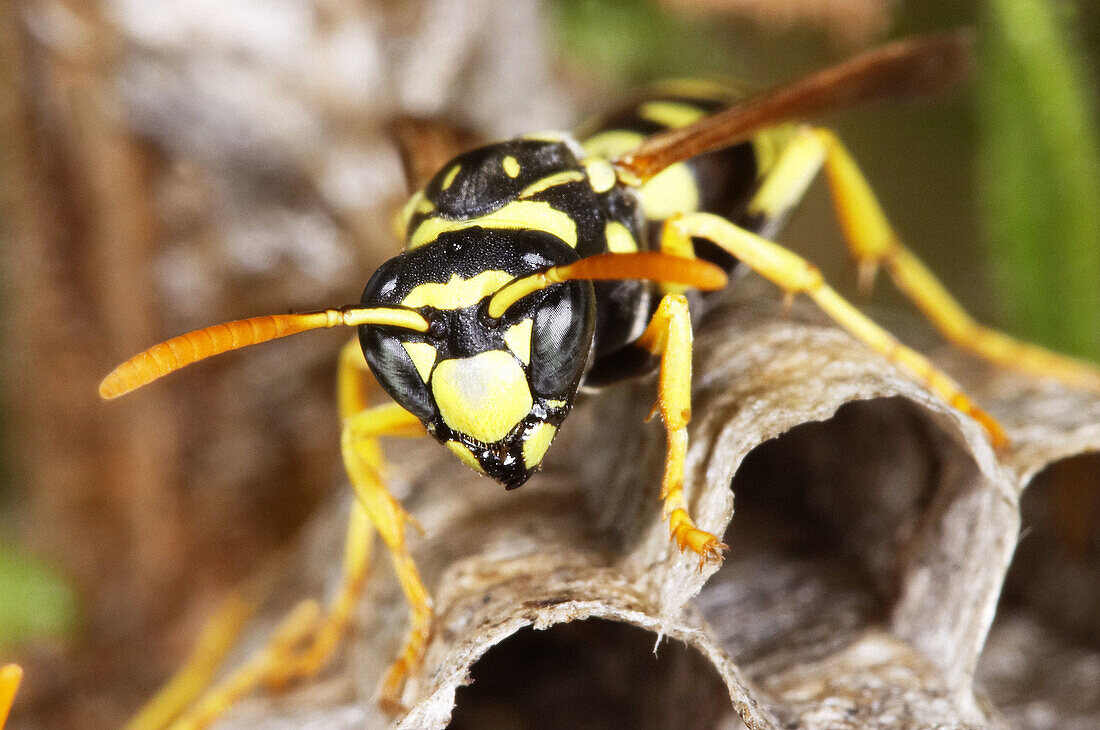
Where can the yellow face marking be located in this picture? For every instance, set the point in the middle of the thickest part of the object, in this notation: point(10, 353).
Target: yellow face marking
point(518, 339)
point(534, 448)
point(451, 175)
point(425, 206)
point(457, 293)
point(550, 181)
point(423, 356)
point(612, 143)
point(619, 238)
point(669, 192)
point(555, 403)
point(601, 175)
point(465, 455)
point(671, 114)
point(511, 166)
point(483, 396)
point(517, 215)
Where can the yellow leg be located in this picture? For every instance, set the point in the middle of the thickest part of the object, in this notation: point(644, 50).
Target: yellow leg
point(10, 676)
point(365, 466)
point(795, 275)
point(874, 244)
point(669, 336)
point(215, 642)
point(366, 469)
point(307, 638)
point(292, 631)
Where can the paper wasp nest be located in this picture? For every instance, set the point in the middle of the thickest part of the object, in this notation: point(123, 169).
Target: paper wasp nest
point(871, 528)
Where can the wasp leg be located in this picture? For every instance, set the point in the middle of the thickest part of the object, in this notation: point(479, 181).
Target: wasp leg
point(291, 631)
point(216, 640)
point(374, 506)
point(873, 244)
point(794, 275)
point(10, 676)
point(669, 336)
point(306, 639)
point(366, 467)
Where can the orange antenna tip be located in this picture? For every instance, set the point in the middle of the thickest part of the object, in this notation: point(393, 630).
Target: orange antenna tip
point(178, 352)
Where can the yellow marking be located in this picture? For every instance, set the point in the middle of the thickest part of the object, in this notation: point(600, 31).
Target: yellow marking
point(483, 396)
point(425, 206)
point(518, 339)
point(704, 88)
point(555, 404)
point(451, 175)
point(601, 175)
point(462, 451)
point(671, 114)
point(546, 136)
point(551, 181)
point(457, 293)
point(669, 192)
point(408, 210)
point(517, 215)
point(423, 356)
point(619, 238)
point(612, 143)
point(538, 441)
point(511, 166)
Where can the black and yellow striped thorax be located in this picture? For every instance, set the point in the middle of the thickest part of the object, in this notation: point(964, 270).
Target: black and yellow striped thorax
point(494, 390)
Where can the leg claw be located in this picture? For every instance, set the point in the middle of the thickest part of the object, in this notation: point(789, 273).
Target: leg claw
point(702, 543)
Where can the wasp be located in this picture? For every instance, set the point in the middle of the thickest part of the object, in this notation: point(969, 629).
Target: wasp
point(548, 263)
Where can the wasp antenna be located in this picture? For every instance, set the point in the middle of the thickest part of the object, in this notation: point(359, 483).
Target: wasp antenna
point(911, 68)
point(646, 266)
point(173, 354)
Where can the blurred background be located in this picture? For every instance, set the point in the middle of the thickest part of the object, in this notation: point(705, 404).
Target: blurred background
point(168, 164)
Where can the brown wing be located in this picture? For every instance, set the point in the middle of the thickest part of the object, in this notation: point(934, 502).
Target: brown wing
point(911, 68)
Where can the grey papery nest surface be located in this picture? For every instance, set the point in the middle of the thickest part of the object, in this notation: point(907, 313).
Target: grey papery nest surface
point(870, 527)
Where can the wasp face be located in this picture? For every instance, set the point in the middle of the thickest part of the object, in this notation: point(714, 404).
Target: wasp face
point(492, 390)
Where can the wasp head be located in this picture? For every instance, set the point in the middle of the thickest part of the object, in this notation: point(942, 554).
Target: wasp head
point(492, 389)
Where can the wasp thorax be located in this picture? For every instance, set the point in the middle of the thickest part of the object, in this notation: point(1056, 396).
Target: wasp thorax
point(492, 389)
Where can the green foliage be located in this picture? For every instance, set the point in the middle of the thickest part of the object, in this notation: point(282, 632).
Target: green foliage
point(35, 601)
point(637, 40)
point(1040, 168)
